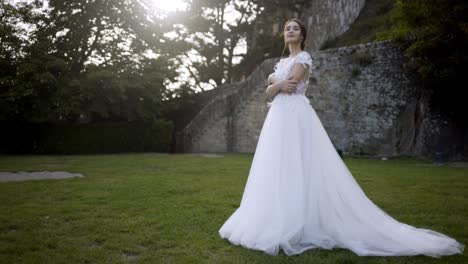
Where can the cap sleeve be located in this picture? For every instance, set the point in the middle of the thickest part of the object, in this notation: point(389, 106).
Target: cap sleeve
point(305, 60)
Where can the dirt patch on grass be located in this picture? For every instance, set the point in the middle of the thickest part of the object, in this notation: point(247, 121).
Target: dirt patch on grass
point(36, 175)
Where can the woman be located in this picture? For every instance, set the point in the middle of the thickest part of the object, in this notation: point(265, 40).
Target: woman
point(300, 195)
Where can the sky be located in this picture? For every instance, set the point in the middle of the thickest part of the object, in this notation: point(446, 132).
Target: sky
point(170, 5)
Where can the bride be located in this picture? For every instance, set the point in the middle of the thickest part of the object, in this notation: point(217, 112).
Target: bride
point(300, 195)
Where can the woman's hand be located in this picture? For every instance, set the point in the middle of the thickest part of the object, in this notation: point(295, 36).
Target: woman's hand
point(280, 86)
point(288, 86)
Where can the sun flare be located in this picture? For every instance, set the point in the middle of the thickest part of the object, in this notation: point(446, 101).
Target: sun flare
point(171, 5)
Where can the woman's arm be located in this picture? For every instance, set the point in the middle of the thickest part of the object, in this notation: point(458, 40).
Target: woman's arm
point(275, 86)
point(272, 90)
point(299, 72)
point(281, 86)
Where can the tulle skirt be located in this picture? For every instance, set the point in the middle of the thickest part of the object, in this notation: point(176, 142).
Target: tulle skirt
point(300, 195)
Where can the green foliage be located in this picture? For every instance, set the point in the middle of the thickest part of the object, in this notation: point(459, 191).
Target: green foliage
point(210, 35)
point(82, 61)
point(135, 95)
point(12, 45)
point(112, 137)
point(434, 34)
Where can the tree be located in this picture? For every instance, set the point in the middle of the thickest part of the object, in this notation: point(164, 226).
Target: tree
point(212, 30)
point(434, 33)
point(13, 45)
point(85, 60)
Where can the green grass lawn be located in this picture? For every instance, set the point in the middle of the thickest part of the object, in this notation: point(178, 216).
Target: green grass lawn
point(160, 208)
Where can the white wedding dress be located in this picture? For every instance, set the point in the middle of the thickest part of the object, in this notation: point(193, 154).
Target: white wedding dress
point(300, 195)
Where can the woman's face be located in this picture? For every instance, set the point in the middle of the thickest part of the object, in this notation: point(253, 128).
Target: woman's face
point(292, 33)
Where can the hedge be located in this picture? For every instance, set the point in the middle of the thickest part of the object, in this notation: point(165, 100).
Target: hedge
point(46, 138)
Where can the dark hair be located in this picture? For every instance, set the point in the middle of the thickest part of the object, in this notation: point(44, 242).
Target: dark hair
point(303, 32)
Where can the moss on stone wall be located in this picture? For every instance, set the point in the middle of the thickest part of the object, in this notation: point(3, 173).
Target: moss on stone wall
point(373, 18)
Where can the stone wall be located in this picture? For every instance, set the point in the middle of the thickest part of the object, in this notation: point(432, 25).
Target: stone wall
point(216, 127)
point(367, 102)
point(326, 19)
point(360, 93)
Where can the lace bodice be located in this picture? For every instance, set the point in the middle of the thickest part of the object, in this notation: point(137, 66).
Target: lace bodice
point(284, 67)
